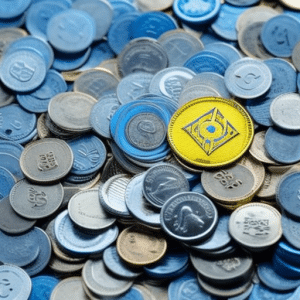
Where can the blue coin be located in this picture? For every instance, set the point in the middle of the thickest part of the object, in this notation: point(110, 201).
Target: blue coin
point(288, 253)
point(132, 294)
point(38, 100)
point(121, 8)
point(12, 164)
point(23, 70)
point(7, 181)
point(260, 291)
point(152, 24)
point(209, 36)
point(119, 34)
point(298, 82)
point(66, 3)
point(292, 13)
point(284, 78)
point(290, 229)
point(71, 178)
point(285, 269)
point(39, 14)
point(283, 147)
point(80, 243)
point(42, 287)
point(44, 256)
point(280, 35)
point(242, 2)
point(12, 148)
point(195, 11)
point(14, 8)
point(71, 31)
point(13, 22)
point(89, 154)
point(224, 25)
point(28, 138)
point(296, 294)
point(207, 61)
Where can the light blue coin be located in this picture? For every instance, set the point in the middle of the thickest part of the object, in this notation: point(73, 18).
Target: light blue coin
point(209, 36)
point(16, 123)
point(196, 11)
point(66, 3)
point(11, 148)
point(89, 154)
point(261, 292)
point(287, 252)
point(77, 179)
point(81, 243)
point(39, 14)
point(285, 269)
point(12, 164)
point(28, 138)
point(132, 294)
point(13, 22)
point(7, 181)
point(293, 13)
point(38, 100)
point(121, 8)
point(296, 294)
point(152, 24)
point(207, 61)
point(224, 25)
point(283, 147)
point(13, 8)
point(290, 229)
point(42, 287)
point(119, 34)
point(280, 35)
point(71, 31)
point(23, 70)
point(242, 2)
point(298, 82)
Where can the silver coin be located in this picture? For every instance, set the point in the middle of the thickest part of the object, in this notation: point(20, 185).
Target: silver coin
point(6, 97)
point(142, 54)
point(296, 56)
point(33, 201)
point(180, 45)
point(86, 211)
point(46, 160)
point(163, 181)
point(133, 85)
point(285, 111)
point(170, 82)
point(146, 131)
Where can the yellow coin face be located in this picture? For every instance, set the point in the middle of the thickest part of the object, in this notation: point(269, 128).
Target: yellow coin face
point(210, 132)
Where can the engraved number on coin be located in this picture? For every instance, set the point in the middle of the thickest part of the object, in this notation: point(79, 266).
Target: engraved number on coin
point(227, 180)
point(21, 71)
point(5, 288)
point(256, 227)
point(37, 198)
point(229, 264)
point(47, 161)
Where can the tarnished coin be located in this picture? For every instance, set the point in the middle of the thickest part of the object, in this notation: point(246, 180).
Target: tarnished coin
point(46, 160)
point(140, 246)
point(255, 226)
point(71, 111)
point(163, 181)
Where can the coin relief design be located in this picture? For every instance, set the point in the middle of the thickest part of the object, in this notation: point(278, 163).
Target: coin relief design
point(47, 161)
point(229, 264)
point(21, 71)
point(36, 198)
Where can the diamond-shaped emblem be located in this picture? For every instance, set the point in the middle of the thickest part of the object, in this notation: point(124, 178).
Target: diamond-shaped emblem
point(211, 130)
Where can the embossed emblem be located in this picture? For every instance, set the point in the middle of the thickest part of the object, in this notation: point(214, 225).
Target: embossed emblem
point(248, 80)
point(229, 264)
point(5, 288)
point(47, 161)
point(146, 128)
point(37, 198)
point(281, 36)
point(196, 7)
point(70, 31)
point(21, 71)
point(136, 89)
point(255, 226)
point(228, 180)
point(90, 153)
point(170, 183)
point(211, 130)
point(173, 87)
point(190, 290)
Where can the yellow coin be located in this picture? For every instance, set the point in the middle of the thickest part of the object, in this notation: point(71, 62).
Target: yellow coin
point(210, 132)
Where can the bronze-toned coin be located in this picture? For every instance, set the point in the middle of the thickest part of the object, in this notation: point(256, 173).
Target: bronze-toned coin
point(146, 5)
point(110, 65)
point(42, 129)
point(71, 75)
point(46, 160)
point(63, 267)
point(140, 246)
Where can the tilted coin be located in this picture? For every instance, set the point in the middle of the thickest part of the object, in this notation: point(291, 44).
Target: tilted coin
point(110, 65)
point(145, 5)
point(43, 130)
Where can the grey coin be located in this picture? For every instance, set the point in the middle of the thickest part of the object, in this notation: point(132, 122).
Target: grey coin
point(138, 205)
point(146, 131)
point(6, 97)
point(71, 111)
point(170, 82)
point(43, 130)
point(46, 160)
point(180, 45)
point(248, 78)
point(10, 221)
point(69, 192)
point(142, 54)
point(163, 181)
point(133, 85)
point(96, 83)
point(285, 111)
point(85, 211)
point(12, 164)
point(64, 268)
point(100, 282)
point(33, 201)
point(296, 56)
point(110, 169)
point(16, 283)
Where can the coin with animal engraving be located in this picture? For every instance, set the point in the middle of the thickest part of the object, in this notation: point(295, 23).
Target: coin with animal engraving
point(33, 201)
point(46, 160)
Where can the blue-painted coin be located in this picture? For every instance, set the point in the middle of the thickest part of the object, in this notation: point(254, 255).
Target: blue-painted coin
point(39, 14)
point(121, 8)
point(285, 269)
point(42, 287)
point(280, 35)
point(89, 154)
point(196, 11)
point(23, 70)
point(296, 294)
point(224, 25)
point(288, 253)
point(13, 22)
point(12, 148)
point(71, 31)
point(29, 137)
point(298, 82)
point(209, 36)
point(283, 147)
point(242, 2)
point(292, 13)
point(81, 243)
point(207, 61)
point(228, 51)
point(7, 181)
point(38, 100)
point(14, 8)
point(290, 229)
point(12, 164)
point(260, 291)
point(66, 3)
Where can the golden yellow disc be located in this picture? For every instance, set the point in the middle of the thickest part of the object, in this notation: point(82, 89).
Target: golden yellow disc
point(210, 132)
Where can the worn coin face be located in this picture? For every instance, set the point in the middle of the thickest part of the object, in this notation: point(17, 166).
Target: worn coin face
point(46, 160)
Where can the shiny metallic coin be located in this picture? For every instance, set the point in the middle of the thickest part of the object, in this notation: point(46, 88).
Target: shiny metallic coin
point(42, 129)
point(140, 246)
point(33, 201)
point(86, 211)
point(132, 57)
point(46, 160)
point(255, 226)
point(110, 169)
point(150, 292)
point(163, 181)
point(145, 5)
point(71, 111)
point(110, 65)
